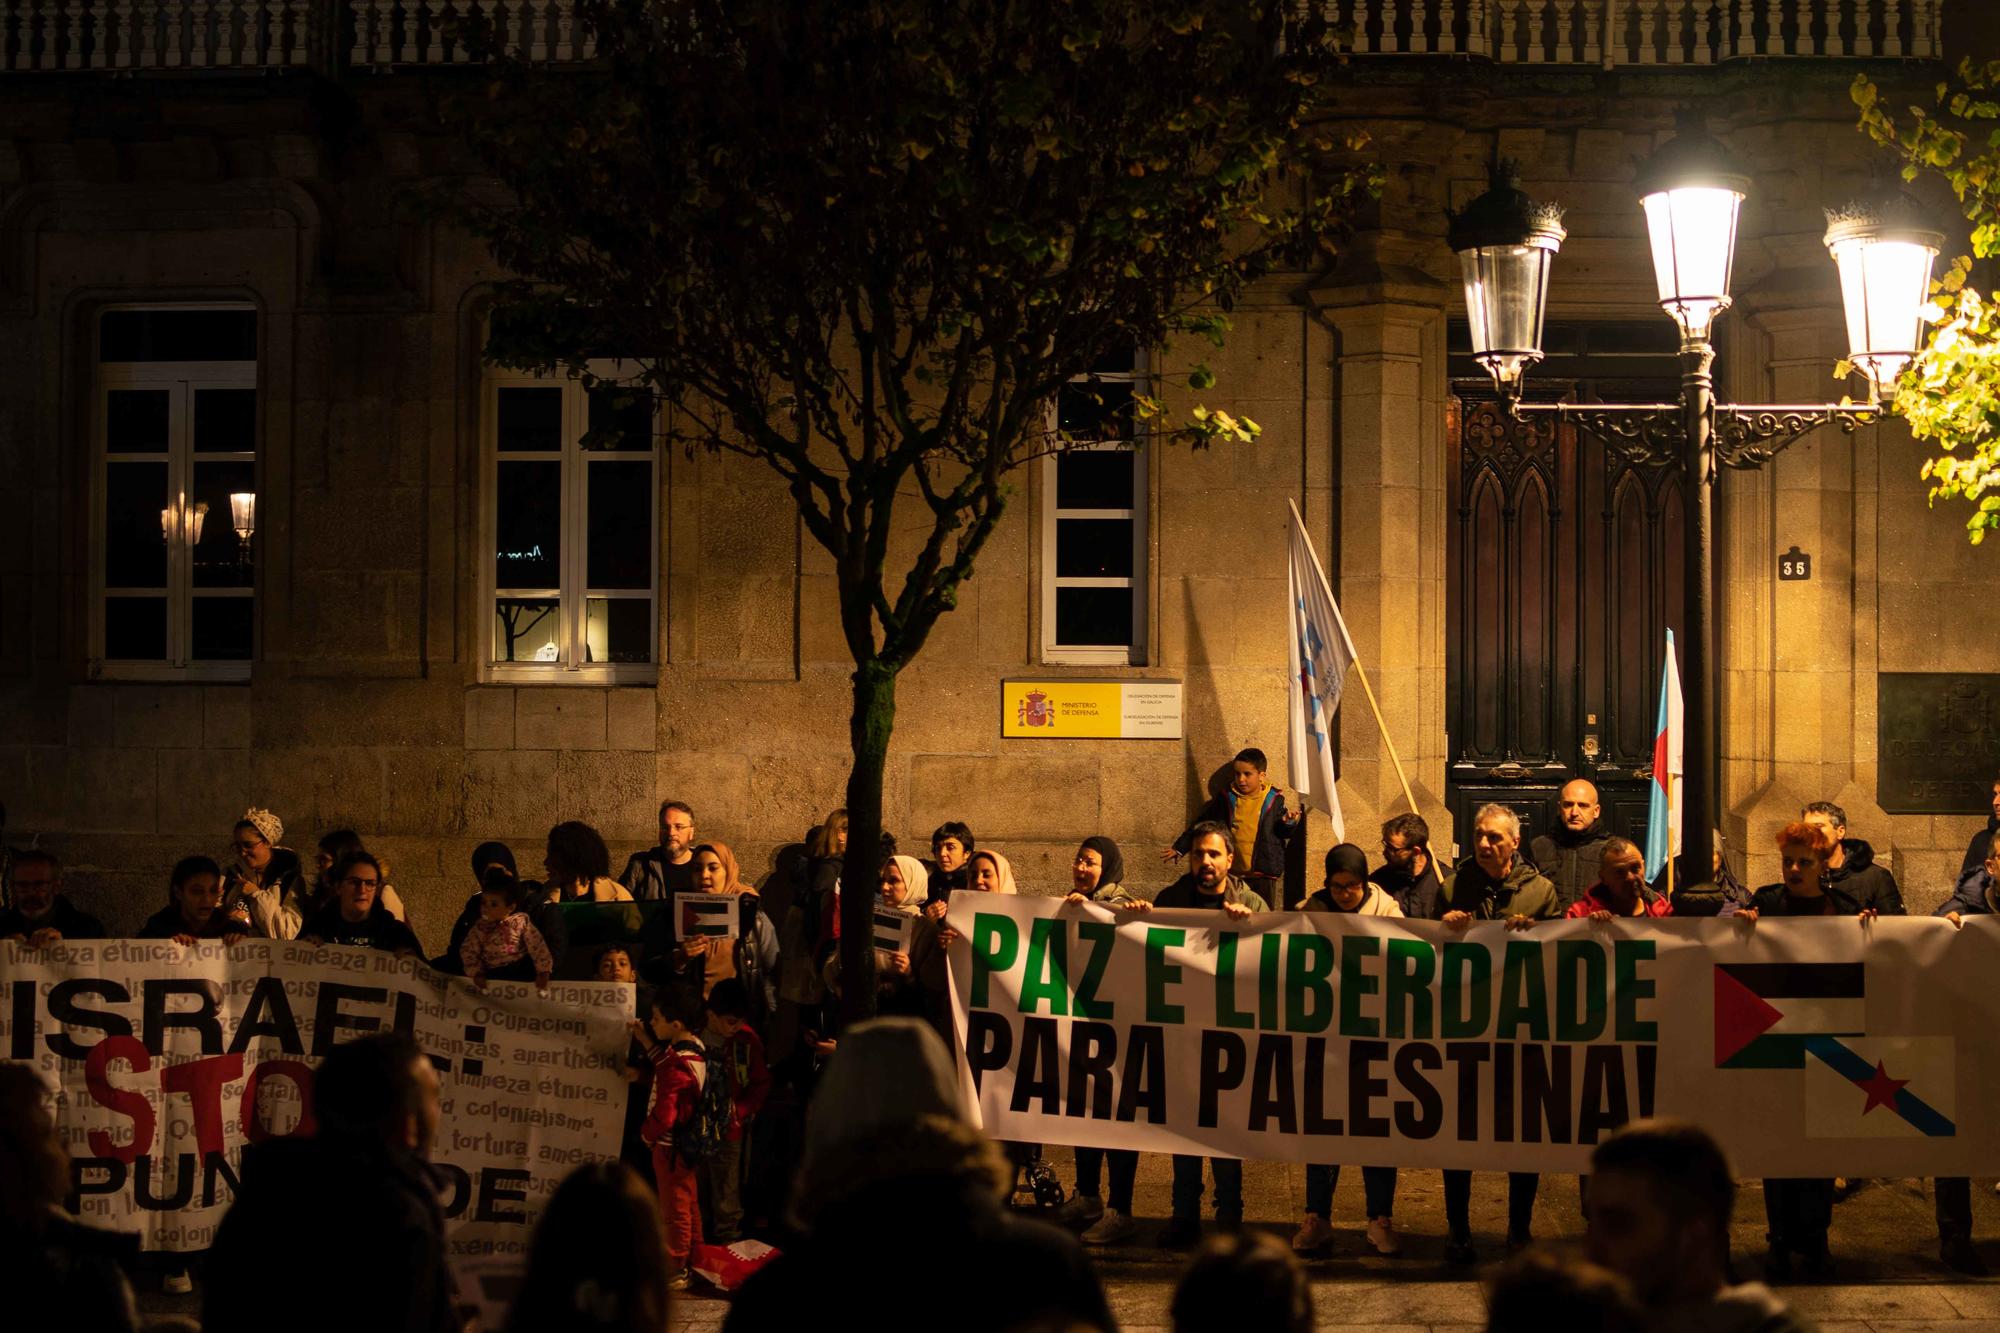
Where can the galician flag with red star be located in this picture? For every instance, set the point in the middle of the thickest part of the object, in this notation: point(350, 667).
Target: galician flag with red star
point(1321, 653)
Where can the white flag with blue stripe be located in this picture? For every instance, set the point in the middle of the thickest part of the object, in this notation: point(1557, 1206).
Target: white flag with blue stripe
point(1321, 652)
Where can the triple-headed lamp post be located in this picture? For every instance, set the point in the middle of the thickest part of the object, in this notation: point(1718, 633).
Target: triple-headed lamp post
point(1692, 192)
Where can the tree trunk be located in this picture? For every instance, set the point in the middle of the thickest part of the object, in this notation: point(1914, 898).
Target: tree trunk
point(869, 727)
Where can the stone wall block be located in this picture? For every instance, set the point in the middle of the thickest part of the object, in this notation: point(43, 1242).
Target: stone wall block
point(111, 791)
point(489, 718)
point(203, 792)
point(1014, 796)
point(511, 795)
point(421, 792)
point(612, 791)
point(163, 716)
point(554, 718)
point(632, 719)
point(225, 717)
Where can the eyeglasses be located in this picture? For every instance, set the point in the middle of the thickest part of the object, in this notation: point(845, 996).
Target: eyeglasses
point(247, 846)
point(352, 883)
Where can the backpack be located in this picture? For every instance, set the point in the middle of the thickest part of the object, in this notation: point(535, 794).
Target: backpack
point(714, 1116)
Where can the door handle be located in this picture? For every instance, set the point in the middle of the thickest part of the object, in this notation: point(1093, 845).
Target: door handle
point(1511, 771)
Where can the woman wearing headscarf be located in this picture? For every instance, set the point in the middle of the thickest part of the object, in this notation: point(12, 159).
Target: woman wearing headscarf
point(264, 876)
point(912, 981)
point(704, 960)
point(889, 1152)
point(1097, 876)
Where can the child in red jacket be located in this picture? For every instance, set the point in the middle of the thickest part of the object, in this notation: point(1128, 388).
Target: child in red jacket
point(737, 1056)
point(671, 1038)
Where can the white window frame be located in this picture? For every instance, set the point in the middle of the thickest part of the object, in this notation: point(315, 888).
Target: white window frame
point(181, 379)
point(1140, 447)
point(574, 596)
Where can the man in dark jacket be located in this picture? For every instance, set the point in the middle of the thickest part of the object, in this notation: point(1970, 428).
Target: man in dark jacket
point(1494, 884)
point(359, 1197)
point(1570, 855)
point(39, 914)
point(667, 869)
point(1854, 880)
point(1981, 845)
point(1408, 872)
point(1210, 884)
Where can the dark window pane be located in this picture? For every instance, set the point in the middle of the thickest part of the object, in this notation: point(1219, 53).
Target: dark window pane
point(135, 421)
point(620, 419)
point(1095, 479)
point(219, 558)
point(530, 419)
point(1094, 548)
point(225, 421)
point(177, 335)
point(135, 550)
point(618, 629)
point(1101, 411)
point(135, 629)
point(528, 526)
point(621, 525)
point(1092, 617)
point(1123, 361)
point(222, 628)
point(524, 630)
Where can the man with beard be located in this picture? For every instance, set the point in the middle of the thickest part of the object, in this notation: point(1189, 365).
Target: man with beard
point(1570, 855)
point(1211, 883)
point(39, 915)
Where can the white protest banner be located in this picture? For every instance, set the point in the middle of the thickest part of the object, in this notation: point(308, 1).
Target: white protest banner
point(892, 930)
point(166, 1060)
point(704, 916)
point(1808, 1047)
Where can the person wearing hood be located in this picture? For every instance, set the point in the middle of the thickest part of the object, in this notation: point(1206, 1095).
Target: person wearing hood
point(889, 1151)
point(1349, 892)
point(703, 960)
point(359, 1196)
point(1568, 856)
point(1212, 885)
point(1620, 889)
point(1493, 884)
point(1977, 894)
point(266, 878)
point(1854, 879)
point(1408, 870)
point(1661, 1194)
point(1981, 845)
point(1097, 875)
point(911, 982)
point(38, 913)
point(1798, 1211)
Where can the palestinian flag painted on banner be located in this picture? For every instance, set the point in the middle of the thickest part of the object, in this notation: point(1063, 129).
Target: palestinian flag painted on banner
point(1812, 1017)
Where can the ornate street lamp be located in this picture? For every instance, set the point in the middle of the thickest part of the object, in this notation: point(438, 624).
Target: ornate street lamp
point(243, 517)
point(1885, 250)
point(1692, 192)
point(1506, 244)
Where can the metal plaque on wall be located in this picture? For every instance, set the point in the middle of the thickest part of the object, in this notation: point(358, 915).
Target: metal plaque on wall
point(1939, 742)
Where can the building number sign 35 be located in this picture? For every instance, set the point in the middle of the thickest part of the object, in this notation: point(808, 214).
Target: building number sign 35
point(1794, 565)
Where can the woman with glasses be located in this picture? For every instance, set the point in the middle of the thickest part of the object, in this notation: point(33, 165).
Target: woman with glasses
point(357, 918)
point(265, 876)
point(333, 847)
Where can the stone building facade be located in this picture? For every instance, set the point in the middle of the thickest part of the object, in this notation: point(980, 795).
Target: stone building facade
point(360, 689)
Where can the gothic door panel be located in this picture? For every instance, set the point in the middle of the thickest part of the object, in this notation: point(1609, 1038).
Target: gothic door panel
point(1564, 573)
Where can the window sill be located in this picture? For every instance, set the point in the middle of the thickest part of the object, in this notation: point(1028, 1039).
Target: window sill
point(1093, 657)
point(597, 674)
point(199, 673)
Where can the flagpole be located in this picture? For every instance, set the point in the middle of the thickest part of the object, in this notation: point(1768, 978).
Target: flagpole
point(1354, 656)
point(1670, 835)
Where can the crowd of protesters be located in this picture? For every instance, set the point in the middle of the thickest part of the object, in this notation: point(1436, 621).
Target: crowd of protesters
point(750, 1114)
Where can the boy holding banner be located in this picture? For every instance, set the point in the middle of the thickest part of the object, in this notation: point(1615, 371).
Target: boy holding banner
point(1210, 884)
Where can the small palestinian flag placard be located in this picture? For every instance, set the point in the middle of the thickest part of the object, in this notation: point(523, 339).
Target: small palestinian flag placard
point(892, 930)
point(704, 916)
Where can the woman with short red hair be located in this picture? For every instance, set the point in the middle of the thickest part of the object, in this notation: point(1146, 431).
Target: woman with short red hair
point(1797, 1212)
